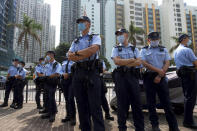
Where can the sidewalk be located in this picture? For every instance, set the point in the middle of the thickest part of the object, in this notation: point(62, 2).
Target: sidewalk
point(28, 119)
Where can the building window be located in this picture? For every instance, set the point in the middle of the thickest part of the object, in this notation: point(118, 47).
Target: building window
point(179, 19)
point(131, 7)
point(131, 2)
point(138, 23)
point(180, 29)
point(131, 12)
point(138, 9)
point(138, 4)
point(138, 18)
point(137, 13)
point(177, 10)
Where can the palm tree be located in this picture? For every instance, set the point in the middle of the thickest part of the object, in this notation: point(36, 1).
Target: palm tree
point(133, 31)
point(177, 44)
point(28, 28)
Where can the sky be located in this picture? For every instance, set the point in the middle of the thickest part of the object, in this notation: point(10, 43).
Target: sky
point(56, 14)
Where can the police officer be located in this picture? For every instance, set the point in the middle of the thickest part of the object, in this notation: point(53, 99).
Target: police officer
point(52, 72)
point(39, 73)
point(126, 57)
point(186, 61)
point(156, 60)
point(12, 71)
point(86, 82)
point(104, 101)
point(19, 85)
point(68, 92)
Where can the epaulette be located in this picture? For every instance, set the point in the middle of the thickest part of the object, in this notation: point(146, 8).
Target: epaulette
point(160, 46)
point(76, 41)
point(55, 64)
point(146, 47)
point(91, 37)
point(119, 47)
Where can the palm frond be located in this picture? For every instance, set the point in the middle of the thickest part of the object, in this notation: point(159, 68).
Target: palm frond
point(36, 26)
point(174, 48)
point(20, 26)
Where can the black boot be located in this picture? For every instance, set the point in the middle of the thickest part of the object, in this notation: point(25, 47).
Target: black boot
point(12, 105)
point(109, 117)
point(39, 107)
point(5, 104)
point(52, 118)
point(18, 107)
point(66, 119)
point(156, 128)
point(73, 121)
point(43, 111)
point(45, 116)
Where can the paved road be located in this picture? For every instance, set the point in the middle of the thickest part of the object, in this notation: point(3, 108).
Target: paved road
point(28, 119)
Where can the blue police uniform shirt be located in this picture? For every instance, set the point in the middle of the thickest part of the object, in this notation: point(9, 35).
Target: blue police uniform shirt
point(64, 63)
point(84, 43)
point(125, 53)
point(184, 56)
point(12, 71)
point(21, 72)
point(154, 56)
point(49, 69)
point(39, 69)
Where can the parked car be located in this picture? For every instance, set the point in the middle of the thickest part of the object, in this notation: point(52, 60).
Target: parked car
point(175, 91)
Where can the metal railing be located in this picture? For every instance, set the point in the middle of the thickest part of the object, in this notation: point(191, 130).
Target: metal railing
point(30, 92)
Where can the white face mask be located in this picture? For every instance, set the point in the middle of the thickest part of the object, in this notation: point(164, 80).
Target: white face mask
point(189, 43)
point(42, 63)
point(154, 43)
point(48, 58)
point(121, 39)
point(19, 65)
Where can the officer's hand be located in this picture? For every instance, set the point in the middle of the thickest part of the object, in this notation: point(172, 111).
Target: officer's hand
point(157, 79)
point(161, 73)
point(65, 76)
point(16, 76)
point(71, 56)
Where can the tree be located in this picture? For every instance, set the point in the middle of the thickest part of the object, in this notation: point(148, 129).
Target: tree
point(28, 28)
point(61, 51)
point(108, 65)
point(133, 31)
point(177, 44)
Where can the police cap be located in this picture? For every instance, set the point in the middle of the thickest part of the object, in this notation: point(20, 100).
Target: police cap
point(153, 35)
point(121, 31)
point(83, 18)
point(183, 36)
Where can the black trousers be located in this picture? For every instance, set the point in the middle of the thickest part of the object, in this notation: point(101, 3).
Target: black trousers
point(189, 86)
point(18, 90)
point(128, 93)
point(38, 93)
point(88, 99)
point(104, 101)
point(162, 91)
point(69, 98)
point(50, 98)
point(9, 86)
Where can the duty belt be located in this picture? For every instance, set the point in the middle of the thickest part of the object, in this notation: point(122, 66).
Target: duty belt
point(87, 65)
point(125, 69)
